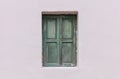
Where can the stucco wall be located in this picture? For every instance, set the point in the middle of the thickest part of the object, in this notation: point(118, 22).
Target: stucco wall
point(98, 39)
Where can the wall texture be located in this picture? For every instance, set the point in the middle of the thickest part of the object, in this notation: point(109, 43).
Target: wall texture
point(98, 39)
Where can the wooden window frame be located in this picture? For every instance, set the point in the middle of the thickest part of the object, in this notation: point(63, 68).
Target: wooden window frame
point(58, 13)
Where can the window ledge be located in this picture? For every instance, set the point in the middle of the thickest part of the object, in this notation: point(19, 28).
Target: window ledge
point(61, 68)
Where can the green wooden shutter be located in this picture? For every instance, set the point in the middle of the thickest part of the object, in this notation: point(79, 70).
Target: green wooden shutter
point(68, 41)
point(51, 54)
point(59, 40)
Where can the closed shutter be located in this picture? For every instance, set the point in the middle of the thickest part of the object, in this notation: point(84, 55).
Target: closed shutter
point(59, 40)
point(68, 41)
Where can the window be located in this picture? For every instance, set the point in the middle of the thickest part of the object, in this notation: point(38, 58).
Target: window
point(59, 39)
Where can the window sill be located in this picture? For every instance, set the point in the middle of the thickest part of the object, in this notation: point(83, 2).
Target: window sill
point(61, 68)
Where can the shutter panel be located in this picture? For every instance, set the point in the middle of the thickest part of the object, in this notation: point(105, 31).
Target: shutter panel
point(50, 41)
point(68, 41)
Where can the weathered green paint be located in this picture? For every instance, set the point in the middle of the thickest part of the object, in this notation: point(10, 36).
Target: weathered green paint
point(51, 28)
point(67, 28)
point(59, 40)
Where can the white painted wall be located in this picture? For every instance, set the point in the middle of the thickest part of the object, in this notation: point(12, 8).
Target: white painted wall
point(98, 39)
